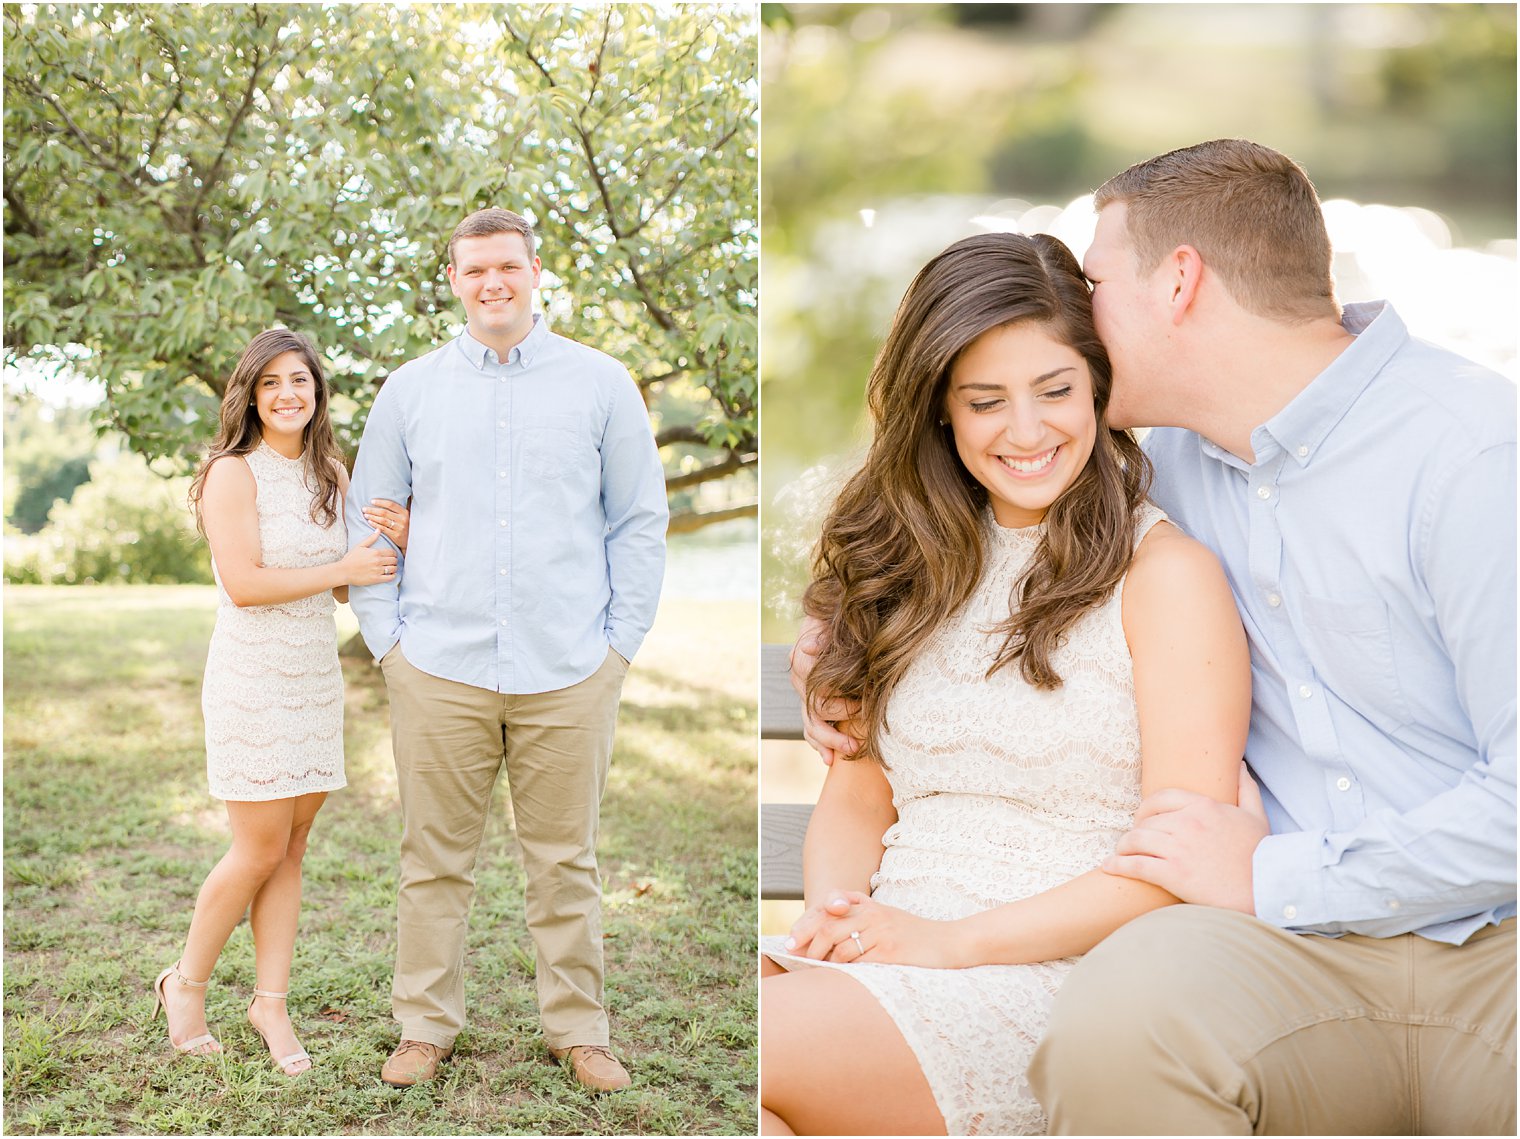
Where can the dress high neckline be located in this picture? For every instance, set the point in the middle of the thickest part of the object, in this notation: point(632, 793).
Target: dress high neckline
point(1021, 538)
point(266, 448)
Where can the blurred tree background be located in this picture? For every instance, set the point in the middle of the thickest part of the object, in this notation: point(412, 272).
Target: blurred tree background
point(178, 177)
point(892, 130)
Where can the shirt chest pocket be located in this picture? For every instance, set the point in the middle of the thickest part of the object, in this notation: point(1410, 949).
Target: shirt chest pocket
point(1350, 646)
point(556, 447)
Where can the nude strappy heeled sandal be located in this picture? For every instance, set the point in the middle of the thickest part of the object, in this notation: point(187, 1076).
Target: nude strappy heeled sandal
point(295, 1057)
point(196, 1045)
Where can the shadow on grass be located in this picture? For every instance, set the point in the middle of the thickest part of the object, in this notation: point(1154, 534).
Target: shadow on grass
point(109, 832)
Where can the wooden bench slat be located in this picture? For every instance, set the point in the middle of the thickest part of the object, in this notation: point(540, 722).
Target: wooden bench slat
point(780, 708)
point(782, 825)
point(782, 828)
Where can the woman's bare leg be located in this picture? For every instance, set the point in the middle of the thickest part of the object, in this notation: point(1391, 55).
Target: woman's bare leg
point(260, 836)
point(832, 1062)
point(273, 917)
point(773, 1124)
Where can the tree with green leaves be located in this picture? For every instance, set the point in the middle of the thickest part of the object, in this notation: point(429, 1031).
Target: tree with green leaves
point(179, 177)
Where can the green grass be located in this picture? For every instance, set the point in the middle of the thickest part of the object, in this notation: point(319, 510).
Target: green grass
point(109, 831)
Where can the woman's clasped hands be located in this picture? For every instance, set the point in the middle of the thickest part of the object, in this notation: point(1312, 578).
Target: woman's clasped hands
point(852, 927)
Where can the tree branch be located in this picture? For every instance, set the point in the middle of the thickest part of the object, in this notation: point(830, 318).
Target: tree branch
point(215, 175)
point(91, 153)
point(689, 520)
point(588, 149)
point(167, 51)
point(685, 434)
point(19, 213)
point(527, 49)
point(670, 374)
point(732, 462)
point(654, 210)
point(601, 53)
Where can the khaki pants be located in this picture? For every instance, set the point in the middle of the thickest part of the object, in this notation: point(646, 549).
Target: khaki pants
point(450, 741)
point(1198, 1021)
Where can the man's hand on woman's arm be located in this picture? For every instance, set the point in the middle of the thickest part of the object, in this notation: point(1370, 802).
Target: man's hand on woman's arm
point(820, 729)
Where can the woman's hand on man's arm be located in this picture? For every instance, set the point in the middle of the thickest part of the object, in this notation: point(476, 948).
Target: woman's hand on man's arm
point(391, 519)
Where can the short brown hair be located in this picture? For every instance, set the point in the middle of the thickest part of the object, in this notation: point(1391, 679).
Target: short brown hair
point(483, 223)
point(1252, 214)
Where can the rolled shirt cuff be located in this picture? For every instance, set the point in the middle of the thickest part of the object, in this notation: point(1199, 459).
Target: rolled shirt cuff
point(1287, 880)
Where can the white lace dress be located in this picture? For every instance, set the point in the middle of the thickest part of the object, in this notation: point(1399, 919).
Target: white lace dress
point(1002, 791)
point(273, 692)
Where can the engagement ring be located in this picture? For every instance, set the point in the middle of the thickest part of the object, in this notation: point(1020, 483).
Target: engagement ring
point(855, 937)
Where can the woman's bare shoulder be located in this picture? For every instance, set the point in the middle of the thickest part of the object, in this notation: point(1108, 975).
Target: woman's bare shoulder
point(1166, 552)
point(229, 473)
point(1171, 570)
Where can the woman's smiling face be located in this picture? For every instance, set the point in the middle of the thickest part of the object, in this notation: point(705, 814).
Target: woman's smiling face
point(285, 395)
point(1020, 405)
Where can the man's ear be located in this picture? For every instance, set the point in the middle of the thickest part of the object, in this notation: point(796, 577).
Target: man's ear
point(1185, 275)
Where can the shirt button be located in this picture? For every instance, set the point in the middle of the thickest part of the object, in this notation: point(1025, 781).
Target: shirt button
point(504, 621)
point(1343, 784)
point(502, 571)
point(1303, 689)
point(501, 423)
point(1274, 600)
point(1302, 450)
point(1393, 903)
point(503, 522)
point(1263, 492)
point(1290, 912)
point(501, 474)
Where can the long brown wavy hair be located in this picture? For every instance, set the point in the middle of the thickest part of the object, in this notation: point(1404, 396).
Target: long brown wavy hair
point(902, 547)
point(239, 430)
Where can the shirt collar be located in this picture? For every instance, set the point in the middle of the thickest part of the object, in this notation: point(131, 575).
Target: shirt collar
point(1302, 426)
point(522, 352)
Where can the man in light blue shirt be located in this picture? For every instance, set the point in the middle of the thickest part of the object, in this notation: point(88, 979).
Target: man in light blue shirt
point(1350, 966)
point(1384, 651)
point(530, 576)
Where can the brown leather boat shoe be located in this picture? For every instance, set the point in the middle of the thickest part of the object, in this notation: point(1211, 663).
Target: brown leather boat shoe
point(595, 1067)
point(413, 1062)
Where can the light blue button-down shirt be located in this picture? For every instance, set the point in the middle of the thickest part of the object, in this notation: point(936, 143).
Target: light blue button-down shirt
point(1371, 549)
point(538, 513)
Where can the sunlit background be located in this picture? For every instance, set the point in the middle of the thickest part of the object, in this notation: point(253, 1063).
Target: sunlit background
point(890, 131)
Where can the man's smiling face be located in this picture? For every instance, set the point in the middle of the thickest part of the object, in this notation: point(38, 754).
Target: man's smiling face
point(494, 278)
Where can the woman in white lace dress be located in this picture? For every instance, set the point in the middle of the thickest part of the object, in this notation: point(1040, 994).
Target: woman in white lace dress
point(269, 499)
point(1028, 647)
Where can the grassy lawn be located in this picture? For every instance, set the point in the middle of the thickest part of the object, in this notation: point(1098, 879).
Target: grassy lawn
point(109, 831)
